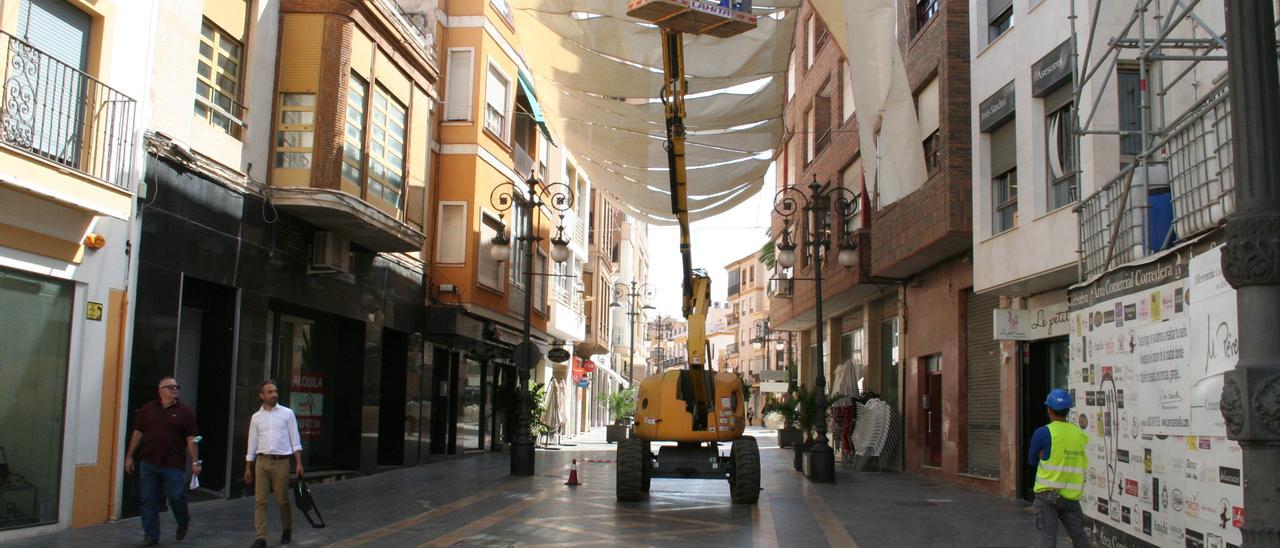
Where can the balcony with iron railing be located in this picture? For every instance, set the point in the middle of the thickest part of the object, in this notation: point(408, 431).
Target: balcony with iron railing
point(524, 162)
point(1148, 207)
point(418, 22)
point(60, 115)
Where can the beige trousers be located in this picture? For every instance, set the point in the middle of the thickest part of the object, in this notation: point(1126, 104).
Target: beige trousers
point(271, 474)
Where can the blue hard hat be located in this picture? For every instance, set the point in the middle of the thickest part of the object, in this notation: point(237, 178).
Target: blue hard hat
point(1059, 400)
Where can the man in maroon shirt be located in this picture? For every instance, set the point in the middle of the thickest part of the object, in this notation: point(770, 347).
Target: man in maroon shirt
point(165, 429)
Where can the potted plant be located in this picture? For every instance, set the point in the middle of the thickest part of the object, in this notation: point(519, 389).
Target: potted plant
point(622, 405)
point(538, 408)
point(788, 435)
point(806, 414)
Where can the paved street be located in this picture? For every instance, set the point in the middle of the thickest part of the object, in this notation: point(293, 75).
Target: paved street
point(472, 502)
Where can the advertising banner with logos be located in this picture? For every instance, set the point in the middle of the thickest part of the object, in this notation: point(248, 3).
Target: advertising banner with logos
point(1149, 344)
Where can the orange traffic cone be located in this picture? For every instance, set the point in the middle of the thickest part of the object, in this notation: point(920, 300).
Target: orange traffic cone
point(573, 474)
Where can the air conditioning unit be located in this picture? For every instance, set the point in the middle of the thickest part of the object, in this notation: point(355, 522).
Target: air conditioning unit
point(330, 253)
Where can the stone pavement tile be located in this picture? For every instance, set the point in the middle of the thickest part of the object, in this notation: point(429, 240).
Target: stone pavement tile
point(473, 502)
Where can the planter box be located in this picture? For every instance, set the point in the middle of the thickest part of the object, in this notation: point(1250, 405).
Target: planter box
point(615, 433)
point(790, 437)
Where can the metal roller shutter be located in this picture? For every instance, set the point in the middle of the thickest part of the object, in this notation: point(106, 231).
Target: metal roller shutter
point(982, 387)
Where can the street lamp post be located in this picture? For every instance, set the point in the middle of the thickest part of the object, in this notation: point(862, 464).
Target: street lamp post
point(558, 198)
point(641, 290)
point(816, 209)
point(1251, 262)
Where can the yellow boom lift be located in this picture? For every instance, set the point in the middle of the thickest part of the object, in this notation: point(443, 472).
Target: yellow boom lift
point(697, 408)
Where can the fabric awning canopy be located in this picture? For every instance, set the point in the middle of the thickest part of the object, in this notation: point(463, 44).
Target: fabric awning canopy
point(536, 110)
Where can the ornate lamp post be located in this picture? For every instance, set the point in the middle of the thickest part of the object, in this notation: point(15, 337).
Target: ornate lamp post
point(620, 290)
point(1251, 262)
point(539, 196)
point(823, 204)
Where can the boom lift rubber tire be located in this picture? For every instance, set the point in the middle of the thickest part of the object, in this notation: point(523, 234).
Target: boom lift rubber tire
point(648, 466)
point(630, 479)
point(744, 479)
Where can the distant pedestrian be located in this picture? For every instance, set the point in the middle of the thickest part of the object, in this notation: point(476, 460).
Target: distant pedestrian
point(1058, 452)
point(273, 437)
point(751, 416)
point(165, 430)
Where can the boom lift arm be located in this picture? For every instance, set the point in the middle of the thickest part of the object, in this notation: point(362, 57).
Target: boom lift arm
point(697, 285)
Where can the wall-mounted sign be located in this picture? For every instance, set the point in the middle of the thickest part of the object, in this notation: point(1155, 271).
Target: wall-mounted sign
point(769, 375)
point(583, 383)
point(93, 311)
point(997, 109)
point(558, 354)
point(589, 366)
point(1031, 324)
point(774, 387)
point(1052, 70)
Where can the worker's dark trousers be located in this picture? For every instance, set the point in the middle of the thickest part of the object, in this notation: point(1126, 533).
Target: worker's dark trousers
point(1048, 509)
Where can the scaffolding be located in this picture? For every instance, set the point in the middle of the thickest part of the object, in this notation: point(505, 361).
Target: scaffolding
point(1181, 172)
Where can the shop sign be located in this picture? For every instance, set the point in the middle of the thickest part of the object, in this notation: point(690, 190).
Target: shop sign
point(774, 387)
point(558, 354)
point(578, 371)
point(589, 366)
point(996, 109)
point(1052, 70)
point(1031, 324)
point(770, 375)
point(583, 383)
point(306, 399)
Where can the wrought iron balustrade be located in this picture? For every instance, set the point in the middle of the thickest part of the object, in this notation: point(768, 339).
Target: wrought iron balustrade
point(56, 112)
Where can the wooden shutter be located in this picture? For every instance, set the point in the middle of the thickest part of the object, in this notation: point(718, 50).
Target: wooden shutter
point(451, 234)
point(458, 84)
point(982, 387)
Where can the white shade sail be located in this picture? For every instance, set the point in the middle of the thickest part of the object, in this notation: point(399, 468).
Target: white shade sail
point(598, 76)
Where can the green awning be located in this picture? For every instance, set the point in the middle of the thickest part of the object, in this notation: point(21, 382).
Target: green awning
point(526, 82)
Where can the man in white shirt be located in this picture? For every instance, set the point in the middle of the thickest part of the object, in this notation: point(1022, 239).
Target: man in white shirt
point(273, 436)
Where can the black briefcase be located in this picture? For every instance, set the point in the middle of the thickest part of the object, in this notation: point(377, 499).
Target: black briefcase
point(306, 503)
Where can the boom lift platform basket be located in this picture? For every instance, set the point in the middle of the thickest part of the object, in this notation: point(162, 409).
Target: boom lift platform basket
point(694, 16)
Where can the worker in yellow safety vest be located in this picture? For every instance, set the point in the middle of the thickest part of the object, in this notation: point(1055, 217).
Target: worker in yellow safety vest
point(1057, 451)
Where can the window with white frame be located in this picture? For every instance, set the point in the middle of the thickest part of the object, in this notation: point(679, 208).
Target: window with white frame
point(451, 233)
point(386, 147)
point(539, 281)
point(1060, 149)
point(847, 104)
point(488, 270)
point(519, 231)
point(218, 79)
point(295, 130)
point(810, 139)
point(1004, 179)
point(495, 112)
point(811, 40)
point(999, 18)
point(353, 135)
point(458, 82)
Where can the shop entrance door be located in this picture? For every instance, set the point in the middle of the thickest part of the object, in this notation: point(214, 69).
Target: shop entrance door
point(204, 358)
point(391, 413)
point(931, 404)
point(443, 416)
point(1045, 366)
point(502, 420)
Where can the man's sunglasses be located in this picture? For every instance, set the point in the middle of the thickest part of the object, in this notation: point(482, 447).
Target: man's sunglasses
point(171, 387)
